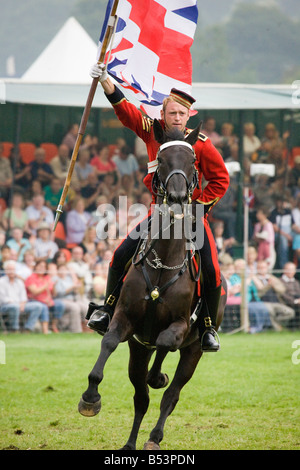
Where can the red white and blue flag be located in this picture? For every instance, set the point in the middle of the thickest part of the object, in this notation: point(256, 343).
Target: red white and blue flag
point(150, 52)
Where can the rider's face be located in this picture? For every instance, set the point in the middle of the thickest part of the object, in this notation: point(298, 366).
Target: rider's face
point(175, 116)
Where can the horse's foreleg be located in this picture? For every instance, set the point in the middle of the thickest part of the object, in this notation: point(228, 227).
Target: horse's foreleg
point(189, 358)
point(90, 403)
point(138, 369)
point(168, 340)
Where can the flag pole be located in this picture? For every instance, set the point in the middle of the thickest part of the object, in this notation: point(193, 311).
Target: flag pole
point(84, 119)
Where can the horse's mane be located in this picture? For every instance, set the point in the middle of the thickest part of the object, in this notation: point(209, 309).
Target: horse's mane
point(174, 134)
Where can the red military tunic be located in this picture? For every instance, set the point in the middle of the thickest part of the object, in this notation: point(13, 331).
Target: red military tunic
point(209, 162)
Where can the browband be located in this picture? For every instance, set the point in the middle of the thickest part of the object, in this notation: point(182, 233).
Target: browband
point(175, 142)
point(153, 165)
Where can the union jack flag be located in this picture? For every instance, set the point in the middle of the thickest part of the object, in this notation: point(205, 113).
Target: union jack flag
point(150, 51)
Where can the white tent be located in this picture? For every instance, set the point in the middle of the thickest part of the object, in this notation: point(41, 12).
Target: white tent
point(67, 58)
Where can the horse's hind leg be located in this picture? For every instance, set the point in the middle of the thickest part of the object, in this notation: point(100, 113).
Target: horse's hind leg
point(90, 402)
point(189, 358)
point(138, 369)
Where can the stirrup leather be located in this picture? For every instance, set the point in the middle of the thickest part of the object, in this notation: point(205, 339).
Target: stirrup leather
point(111, 300)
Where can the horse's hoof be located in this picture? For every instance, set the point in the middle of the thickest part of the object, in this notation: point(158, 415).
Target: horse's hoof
point(159, 382)
point(150, 445)
point(128, 447)
point(166, 382)
point(89, 409)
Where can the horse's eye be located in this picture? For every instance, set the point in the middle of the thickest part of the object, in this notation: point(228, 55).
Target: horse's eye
point(159, 160)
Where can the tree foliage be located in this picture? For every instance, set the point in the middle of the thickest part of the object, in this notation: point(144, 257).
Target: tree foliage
point(258, 44)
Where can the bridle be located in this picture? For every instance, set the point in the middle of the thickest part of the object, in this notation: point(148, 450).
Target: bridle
point(146, 246)
point(159, 187)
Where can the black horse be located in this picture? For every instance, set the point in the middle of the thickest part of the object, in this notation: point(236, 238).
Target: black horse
point(158, 295)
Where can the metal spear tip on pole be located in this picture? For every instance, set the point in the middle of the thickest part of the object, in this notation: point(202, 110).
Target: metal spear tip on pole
point(57, 216)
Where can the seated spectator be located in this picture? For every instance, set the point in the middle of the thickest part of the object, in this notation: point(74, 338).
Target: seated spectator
point(5, 255)
point(209, 126)
point(271, 290)
point(233, 290)
point(60, 166)
point(89, 246)
point(228, 139)
point(91, 192)
point(61, 257)
point(104, 214)
point(83, 168)
point(40, 170)
point(110, 187)
point(115, 148)
point(225, 210)
point(291, 295)
point(145, 199)
point(99, 283)
point(126, 162)
point(81, 269)
point(6, 175)
point(276, 158)
point(22, 175)
point(77, 221)
point(70, 138)
point(16, 216)
point(102, 163)
point(40, 287)
point(2, 240)
point(251, 260)
point(296, 229)
point(38, 212)
point(18, 243)
point(251, 143)
point(259, 317)
point(14, 302)
point(140, 151)
point(294, 177)
point(263, 192)
point(128, 188)
point(35, 188)
point(264, 236)
point(44, 247)
point(52, 194)
point(283, 223)
point(272, 137)
point(66, 289)
point(25, 268)
point(224, 245)
point(101, 248)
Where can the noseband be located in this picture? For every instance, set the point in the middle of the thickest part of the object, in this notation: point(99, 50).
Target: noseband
point(162, 185)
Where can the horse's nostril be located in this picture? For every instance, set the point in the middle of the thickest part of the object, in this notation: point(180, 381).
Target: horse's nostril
point(177, 197)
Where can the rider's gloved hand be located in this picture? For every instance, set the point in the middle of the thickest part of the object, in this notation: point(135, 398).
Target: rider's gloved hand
point(99, 71)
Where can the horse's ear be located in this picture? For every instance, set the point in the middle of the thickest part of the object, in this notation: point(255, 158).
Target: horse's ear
point(159, 132)
point(193, 136)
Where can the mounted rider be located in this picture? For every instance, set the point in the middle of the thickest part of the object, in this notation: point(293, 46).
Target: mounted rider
point(209, 163)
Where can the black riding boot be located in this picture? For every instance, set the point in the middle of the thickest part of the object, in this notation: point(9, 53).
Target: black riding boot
point(208, 338)
point(99, 316)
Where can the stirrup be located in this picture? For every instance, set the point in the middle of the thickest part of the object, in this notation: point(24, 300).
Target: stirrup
point(101, 324)
point(213, 332)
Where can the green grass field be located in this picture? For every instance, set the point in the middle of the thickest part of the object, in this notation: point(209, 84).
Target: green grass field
point(244, 397)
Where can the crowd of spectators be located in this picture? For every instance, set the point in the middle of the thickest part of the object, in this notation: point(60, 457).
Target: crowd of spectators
point(48, 278)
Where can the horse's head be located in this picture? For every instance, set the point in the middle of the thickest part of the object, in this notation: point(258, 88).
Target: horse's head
point(176, 176)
